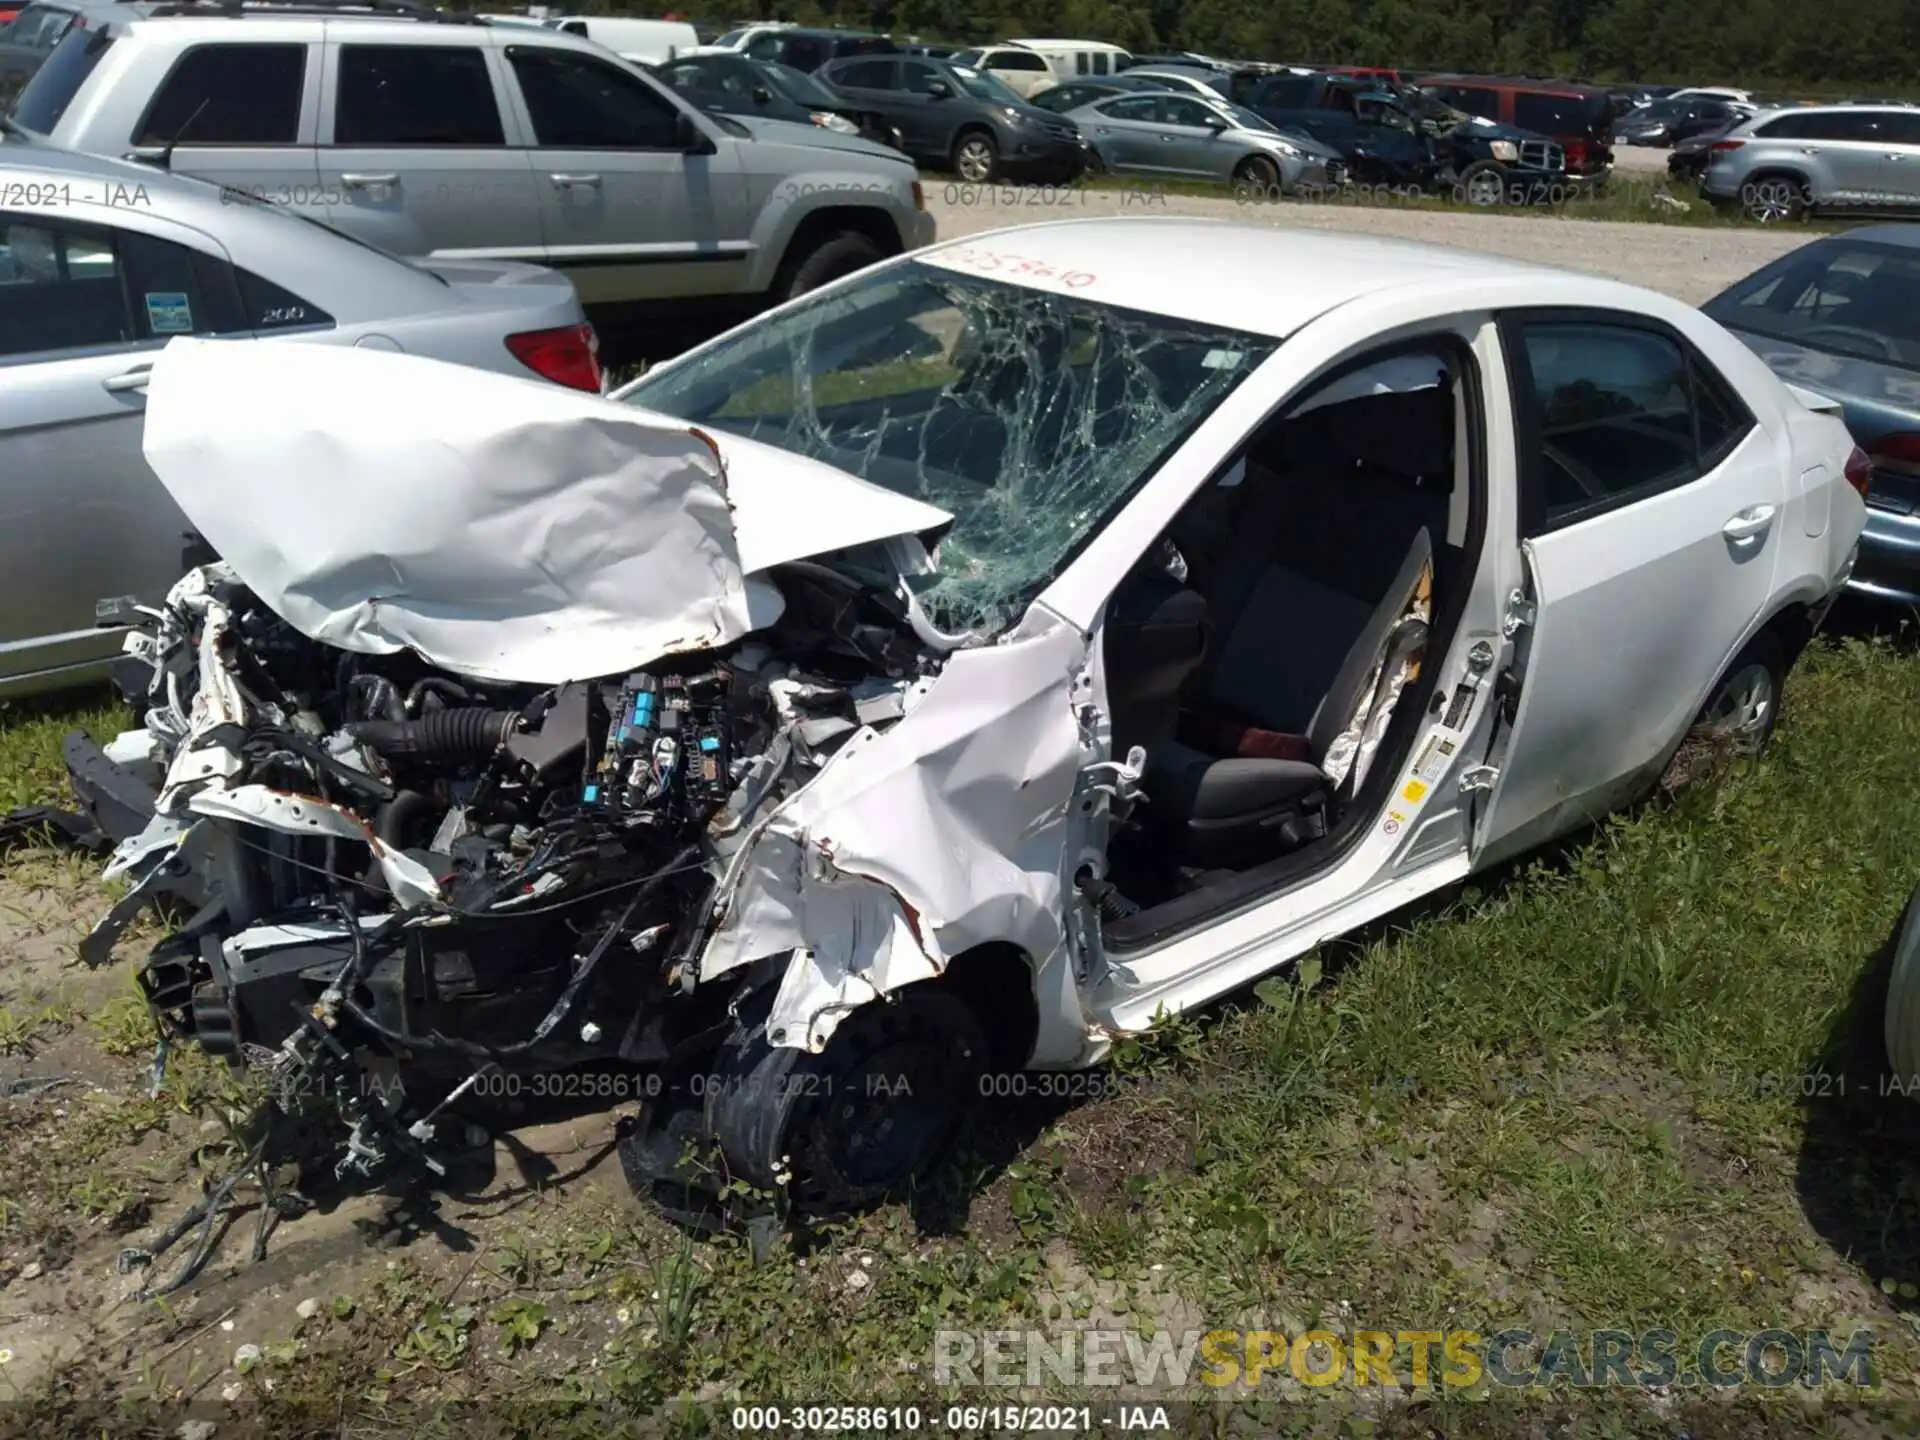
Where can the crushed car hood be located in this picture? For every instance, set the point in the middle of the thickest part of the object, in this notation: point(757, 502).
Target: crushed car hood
point(502, 528)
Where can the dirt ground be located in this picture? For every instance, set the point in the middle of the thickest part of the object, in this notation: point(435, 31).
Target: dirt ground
point(1690, 262)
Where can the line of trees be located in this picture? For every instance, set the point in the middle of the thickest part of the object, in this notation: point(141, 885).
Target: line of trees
point(1862, 44)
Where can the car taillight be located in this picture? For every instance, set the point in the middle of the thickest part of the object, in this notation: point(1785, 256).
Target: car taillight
point(1859, 471)
point(569, 355)
point(1899, 451)
point(1576, 153)
point(1720, 146)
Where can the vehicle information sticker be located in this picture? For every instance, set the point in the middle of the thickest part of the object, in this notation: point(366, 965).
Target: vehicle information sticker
point(1414, 792)
point(1433, 760)
point(168, 313)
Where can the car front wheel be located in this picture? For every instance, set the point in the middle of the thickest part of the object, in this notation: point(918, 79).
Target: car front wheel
point(1258, 174)
point(1483, 185)
point(833, 258)
point(975, 157)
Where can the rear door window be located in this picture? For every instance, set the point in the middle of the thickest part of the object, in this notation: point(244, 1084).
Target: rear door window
point(88, 287)
point(1474, 99)
point(577, 102)
point(884, 75)
point(1551, 114)
point(229, 95)
point(59, 290)
point(1614, 412)
point(416, 95)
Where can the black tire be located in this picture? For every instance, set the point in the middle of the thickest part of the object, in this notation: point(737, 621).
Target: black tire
point(1775, 199)
point(1483, 185)
point(864, 1120)
point(836, 256)
point(1096, 163)
point(1899, 1001)
point(1259, 174)
point(976, 157)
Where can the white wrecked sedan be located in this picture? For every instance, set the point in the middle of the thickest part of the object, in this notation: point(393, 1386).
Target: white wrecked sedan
point(944, 673)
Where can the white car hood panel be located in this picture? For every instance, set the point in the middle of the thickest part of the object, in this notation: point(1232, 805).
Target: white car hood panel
point(503, 528)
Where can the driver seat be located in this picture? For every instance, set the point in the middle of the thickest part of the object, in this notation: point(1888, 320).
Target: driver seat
point(1234, 811)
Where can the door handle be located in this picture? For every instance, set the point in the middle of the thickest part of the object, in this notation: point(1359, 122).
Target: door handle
point(1809, 149)
point(360, 180)
point(1750, 524)
point(568, 182)
point(134, 379)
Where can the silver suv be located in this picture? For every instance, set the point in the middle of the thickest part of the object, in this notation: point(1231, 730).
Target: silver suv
point(446, 137)
point(1852, 158)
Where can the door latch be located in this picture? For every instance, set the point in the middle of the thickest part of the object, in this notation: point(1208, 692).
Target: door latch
point(1478, 778)
point(1521, 612)
point(1117, 779)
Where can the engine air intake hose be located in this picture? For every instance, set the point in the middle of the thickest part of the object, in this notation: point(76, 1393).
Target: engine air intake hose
point(468, 733)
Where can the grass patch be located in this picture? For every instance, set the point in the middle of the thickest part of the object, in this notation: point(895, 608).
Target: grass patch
point(1570, 1096)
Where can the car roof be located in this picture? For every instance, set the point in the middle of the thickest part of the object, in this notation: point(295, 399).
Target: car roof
point(1127, 260)
point(1509, 82)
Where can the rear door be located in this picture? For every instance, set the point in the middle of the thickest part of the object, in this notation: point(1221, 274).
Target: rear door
point(879, 83)
point(242, 114)
point(1650, 525)
point(1126, 132)
point(84, 309)
point(1900, 166)
point(1852, 149)
point(415, 155)
point(628, 212)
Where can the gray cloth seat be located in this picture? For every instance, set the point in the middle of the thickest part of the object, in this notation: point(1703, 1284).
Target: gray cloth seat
point(1295, 638)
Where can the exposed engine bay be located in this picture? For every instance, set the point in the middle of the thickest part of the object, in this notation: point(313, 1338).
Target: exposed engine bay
point(410, 879)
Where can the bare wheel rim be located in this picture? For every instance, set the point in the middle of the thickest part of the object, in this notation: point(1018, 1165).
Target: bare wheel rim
point(1261, 174)
point(975, 161)
point(1743, 707)
point(1773, 201)
point(1484, 189)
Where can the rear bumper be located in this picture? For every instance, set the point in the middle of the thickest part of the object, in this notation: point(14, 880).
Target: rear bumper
point(1889, 564)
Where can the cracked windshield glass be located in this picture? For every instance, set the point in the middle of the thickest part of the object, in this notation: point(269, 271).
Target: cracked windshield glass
point(1029, 416)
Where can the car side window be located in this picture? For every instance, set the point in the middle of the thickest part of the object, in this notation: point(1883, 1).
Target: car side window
point(416, 95)
point(579, 103)
point(764, 47)
point(88, 286)
point(1863, 127)
point(229, 95)
point(880, 75)
point(1133, 107)
point(39, 27)
point(1611, 413)
point(802, 52)
point(1016, 60)
point(1475, 101)
point(1902, 128)
point(59, 290)
point(1178, 110)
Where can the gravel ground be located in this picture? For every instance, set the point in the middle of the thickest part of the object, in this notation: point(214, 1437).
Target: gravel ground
point(1691, 263)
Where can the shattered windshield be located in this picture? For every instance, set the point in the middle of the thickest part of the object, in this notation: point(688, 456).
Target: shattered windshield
point(1029, 416)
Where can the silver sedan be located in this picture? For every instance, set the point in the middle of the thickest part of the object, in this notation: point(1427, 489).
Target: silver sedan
point(1184, 137)
point(102, 263)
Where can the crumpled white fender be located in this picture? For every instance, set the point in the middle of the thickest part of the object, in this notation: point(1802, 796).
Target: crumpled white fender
point(944, 832)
